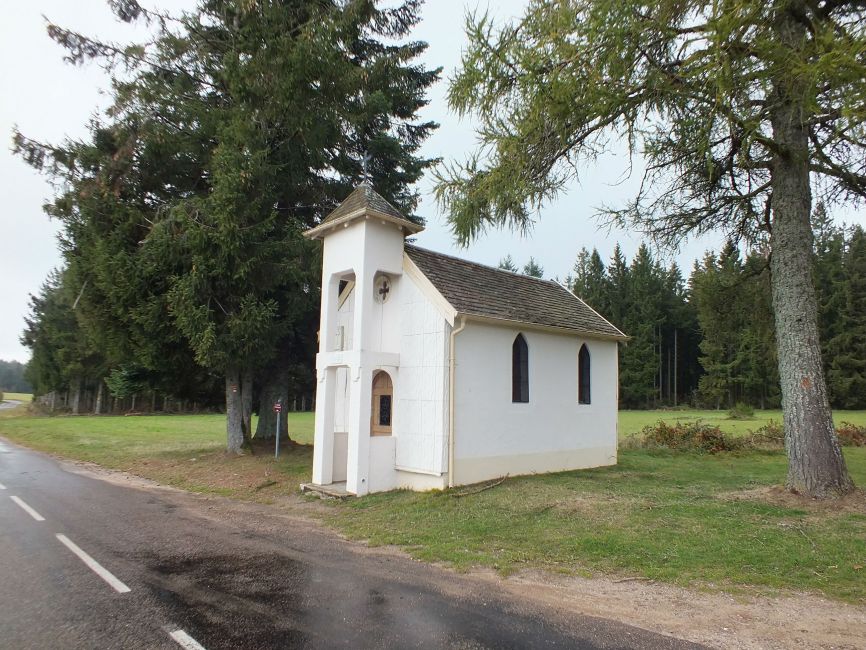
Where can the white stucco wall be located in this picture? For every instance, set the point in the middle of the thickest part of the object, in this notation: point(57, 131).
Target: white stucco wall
point(345, 316)
point(421, 411)
point(494, 436)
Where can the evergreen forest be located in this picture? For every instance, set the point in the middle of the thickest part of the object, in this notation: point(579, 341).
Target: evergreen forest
point(709, 340)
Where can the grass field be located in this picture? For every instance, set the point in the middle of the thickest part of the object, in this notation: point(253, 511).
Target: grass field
point(631, 422)
point(698, 520)
point(705, 521)
point(21, 397)
point(185, 451)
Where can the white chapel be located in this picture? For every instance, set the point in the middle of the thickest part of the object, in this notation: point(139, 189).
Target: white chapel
point(434, 371)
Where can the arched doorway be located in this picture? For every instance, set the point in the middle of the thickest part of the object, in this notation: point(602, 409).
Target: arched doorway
point(383, 404)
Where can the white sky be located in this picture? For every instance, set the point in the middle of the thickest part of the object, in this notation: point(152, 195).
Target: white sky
point(49, 100)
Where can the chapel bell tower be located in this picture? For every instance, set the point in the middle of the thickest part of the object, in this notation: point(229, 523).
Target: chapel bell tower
point(362, 262)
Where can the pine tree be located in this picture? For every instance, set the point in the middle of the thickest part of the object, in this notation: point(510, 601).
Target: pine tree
point(618, 281)
point(507, 264)
point(642, 319)
point(590, 281)
point(830, 287)
point(846, 351)
point(533, 269)
point(716, 292)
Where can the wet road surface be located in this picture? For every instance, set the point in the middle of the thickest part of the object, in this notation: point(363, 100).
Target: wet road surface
point(221, 574)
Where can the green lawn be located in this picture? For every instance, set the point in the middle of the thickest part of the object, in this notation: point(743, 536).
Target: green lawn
point(21, 397)
point(185, 451)
point(631, 422)
point(112, 439)
point(702, 521)
point(687, 519)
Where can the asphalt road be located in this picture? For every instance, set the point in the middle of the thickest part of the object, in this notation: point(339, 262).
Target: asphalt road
point(220, 574)
point(9, 404)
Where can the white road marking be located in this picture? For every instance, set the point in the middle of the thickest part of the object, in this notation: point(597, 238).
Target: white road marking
point(30, 511)
point(95, 566)
point(185, 641)
point(2, 487)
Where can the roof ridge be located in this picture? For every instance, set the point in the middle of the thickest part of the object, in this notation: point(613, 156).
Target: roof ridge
point(481, 264)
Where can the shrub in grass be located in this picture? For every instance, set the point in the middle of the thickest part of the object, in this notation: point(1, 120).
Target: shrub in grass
point(686, 436)
point(850, 435)
point(769, 436)
point(741, 411)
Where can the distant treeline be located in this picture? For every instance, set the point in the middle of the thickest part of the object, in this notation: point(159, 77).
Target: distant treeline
point(12, 377)
point(710, 341)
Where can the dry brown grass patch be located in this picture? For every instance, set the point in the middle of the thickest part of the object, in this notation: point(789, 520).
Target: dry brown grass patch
point(777, 495)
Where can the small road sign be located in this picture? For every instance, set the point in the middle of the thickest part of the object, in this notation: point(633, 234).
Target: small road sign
point(278, 408)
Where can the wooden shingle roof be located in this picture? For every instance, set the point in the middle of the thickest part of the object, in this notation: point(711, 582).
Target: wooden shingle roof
point(364, 201)
point(483, 291)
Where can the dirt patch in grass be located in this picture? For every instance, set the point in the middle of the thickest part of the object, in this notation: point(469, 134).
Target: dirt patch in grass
point(256, 477)
point(777, 495)
point(719, 620)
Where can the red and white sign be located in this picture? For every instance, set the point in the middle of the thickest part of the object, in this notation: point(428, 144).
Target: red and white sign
point(278, 407)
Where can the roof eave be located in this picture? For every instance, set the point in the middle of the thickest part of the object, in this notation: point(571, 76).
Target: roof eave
point(324, 228)
point(571, 331)
point(625, 337)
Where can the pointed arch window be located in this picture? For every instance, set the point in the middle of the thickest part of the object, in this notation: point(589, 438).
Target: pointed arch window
point(519, 370)
point(383, 398)
point(584, 376)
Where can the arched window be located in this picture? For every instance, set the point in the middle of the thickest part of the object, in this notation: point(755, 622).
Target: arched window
point(519, 370)
point(583, 375)
point(383, 408)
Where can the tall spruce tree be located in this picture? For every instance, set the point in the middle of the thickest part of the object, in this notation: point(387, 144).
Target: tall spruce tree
point(507, 264)
point(590, 281)
point(533, 269)
point(64, 356)
point(269, 108)
point(642, 321)
point(735, 107)
point(846, 351)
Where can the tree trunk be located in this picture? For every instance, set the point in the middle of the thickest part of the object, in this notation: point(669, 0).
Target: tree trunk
point(234, 412)
point(76, 396)
point(816, 466)
point(153, 401)
point(97, 409)
point(132, 404)
point(676, 388)
point(247, 404)
point(274, 387)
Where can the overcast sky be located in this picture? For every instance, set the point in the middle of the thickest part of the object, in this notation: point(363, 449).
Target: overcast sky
point(49, 100)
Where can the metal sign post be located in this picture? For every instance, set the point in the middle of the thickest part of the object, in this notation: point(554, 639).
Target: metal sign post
point(278, 408)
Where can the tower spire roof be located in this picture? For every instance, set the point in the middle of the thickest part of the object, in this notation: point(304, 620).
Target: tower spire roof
point(363, 202)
